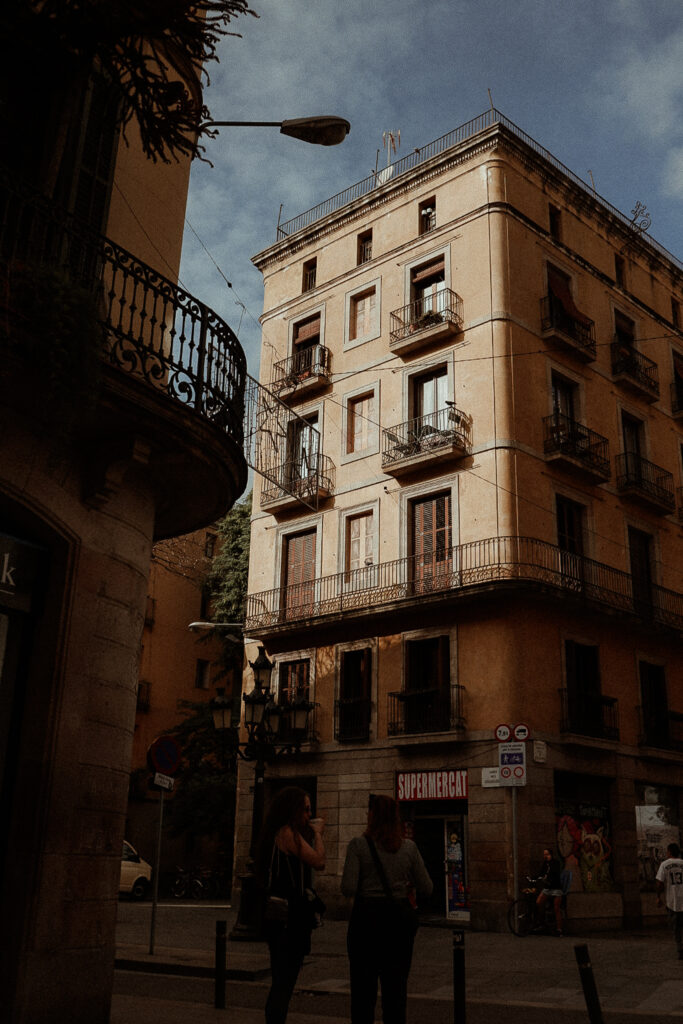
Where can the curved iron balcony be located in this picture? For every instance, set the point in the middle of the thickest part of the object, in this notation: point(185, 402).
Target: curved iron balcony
point(453, 571)
point(154, 330)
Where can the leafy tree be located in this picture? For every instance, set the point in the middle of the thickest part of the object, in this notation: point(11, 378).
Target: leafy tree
point(227, 579)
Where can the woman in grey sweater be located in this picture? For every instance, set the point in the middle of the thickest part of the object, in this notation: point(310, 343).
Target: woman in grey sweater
point(382, 871)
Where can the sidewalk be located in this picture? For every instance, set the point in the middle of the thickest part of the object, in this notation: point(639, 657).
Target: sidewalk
point(638, 978)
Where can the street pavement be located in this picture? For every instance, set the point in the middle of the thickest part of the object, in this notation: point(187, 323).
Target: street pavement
point(638, 977)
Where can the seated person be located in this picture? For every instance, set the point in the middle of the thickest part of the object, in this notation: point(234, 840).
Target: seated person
point(551, 888)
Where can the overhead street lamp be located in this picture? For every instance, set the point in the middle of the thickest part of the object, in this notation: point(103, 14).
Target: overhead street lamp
point(319, 131)
point(273, 731)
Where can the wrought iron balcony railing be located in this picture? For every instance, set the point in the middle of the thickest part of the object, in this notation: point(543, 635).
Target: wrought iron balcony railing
point(437, 709)
point(426, 435)
point(661, 728)
point(295, 370)
point(425, 314)
point(564, 436)
point(633, 366)
point(636, 474)
point(352, 719)
point(298, 478)
point(589, 714)
point(677, 397)
point(455, 571)
point(581, 333)
point(154, 330)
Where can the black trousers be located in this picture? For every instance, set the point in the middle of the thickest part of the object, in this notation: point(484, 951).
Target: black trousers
point(287, 947)
point(380, 952)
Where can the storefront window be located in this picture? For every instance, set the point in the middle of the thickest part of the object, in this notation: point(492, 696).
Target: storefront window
point(657, 825)
point(584, 839)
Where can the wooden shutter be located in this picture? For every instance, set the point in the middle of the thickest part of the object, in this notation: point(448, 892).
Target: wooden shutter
point(431, 538)
point(307, 332)
point(294, 681)
point(300, 571)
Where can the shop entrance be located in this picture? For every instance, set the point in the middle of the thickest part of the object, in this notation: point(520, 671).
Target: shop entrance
point(441, 841)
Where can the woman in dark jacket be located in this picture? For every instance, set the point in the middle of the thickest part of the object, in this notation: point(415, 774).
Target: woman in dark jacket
point(381, 933)
point(290, 847)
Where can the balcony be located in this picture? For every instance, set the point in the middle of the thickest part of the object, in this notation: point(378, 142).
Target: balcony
point(297, 481)
point(437, 437)
point(302, 373)
point(563, 329)
point(635, 371)
point(352, 719)
point(589, 714)
point(165, 370)
point(646, 483)
point(679, 500)
point(576, 447)
point(437, 709)
point(677, 397)
point(463, 571)
point(433, 319)
point(661, 728)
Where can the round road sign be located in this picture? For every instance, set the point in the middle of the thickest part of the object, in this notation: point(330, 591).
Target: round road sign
point(164, 755)
point(502, 733)
point(506, 772)
point(521, 731)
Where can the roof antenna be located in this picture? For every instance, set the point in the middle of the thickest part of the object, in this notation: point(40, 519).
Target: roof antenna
point(493, 109)
point(390, 141)
point(592, 182)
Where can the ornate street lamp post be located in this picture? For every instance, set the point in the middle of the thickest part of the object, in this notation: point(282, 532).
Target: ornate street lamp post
point(273, 731)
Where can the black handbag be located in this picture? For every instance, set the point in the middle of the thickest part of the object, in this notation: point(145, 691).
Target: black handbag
point(405, 913)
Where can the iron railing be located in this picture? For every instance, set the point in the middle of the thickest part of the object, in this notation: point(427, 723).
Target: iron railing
point(436, 709)
point(457, 570)
point(352, 719)
point(296, 478)
point(153, 329)
point(661, 728)
point(300, 367)
point(589, 714)
point(462, 133)
point(564, 436)
point(628, 362)
point(634, 473)
point(677, 396)
point(425, 435)
point(444, 307)
point(555, 317)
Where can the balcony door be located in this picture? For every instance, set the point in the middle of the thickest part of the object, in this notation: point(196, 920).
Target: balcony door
point(640, 555)
point(299, 574)
point(432, 543)
point(584, 699)
point(302, 449)
point(430, 391)
point(427, 697)
point(570, 539)
point(353, 709)
point(305, 339)
point(361, 572)
point(654, 704)
point(428, 285)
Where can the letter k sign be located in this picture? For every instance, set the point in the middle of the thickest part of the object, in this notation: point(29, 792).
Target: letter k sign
point(6, 575)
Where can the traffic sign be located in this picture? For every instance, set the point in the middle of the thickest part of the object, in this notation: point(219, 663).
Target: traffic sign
point(163, 781)
point(490, 777)
point(502, 733)
point(521, 731)
point(164, 755)
point(512, 763)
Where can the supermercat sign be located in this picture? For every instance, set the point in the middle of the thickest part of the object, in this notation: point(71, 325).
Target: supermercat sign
point(441, 784)
point(19, 564)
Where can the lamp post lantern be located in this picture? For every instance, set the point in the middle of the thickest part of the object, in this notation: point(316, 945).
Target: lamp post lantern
point(319, 131)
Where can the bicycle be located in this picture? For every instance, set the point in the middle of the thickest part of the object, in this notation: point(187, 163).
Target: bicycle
point(523, 912)
point(187, 883)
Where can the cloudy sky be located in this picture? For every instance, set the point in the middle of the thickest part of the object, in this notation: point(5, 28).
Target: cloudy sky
point(599, 84)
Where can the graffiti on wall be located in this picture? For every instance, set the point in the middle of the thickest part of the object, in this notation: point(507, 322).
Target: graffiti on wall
point(583, 842)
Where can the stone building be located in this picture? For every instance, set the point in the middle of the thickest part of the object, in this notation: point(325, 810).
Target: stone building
point(120, 424)
point(489, 360)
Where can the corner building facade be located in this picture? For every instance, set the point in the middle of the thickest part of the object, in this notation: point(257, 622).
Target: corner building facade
point(490, 359)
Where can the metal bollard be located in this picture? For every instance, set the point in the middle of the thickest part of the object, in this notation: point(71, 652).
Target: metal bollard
point(221, 942)
point(459, 1008)
point(590, 992)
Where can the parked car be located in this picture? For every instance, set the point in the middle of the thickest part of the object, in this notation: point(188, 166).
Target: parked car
point(136, 873)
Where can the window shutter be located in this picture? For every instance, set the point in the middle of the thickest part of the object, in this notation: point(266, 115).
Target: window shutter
point(305, 330)
point(428, 270)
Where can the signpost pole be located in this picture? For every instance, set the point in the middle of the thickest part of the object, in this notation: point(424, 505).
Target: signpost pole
point(157, 862)
point(515, 865)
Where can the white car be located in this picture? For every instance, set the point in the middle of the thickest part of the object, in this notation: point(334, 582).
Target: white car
point(136, 873)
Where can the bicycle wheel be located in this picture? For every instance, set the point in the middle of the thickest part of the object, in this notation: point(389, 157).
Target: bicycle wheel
point(520, 921)
point(179, 887)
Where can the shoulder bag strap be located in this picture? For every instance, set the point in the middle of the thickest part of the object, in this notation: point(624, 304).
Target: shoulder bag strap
point(380, 870)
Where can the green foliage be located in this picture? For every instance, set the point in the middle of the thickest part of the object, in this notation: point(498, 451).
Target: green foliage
point(227, 578)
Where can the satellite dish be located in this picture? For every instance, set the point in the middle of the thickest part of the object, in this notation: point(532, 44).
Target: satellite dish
point(385, 174)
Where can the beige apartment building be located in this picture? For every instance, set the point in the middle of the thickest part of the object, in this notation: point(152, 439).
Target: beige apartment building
point(479, 523)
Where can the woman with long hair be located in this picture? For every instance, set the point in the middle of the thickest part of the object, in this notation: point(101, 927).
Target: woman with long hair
point(382, 871)
point(290, 847)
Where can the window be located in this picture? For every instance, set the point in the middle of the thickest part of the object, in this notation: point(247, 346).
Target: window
point(675, 313)
point(303, 440)
point(309, 275)
point(427, 214)
point(428, 287)
point(201, 675)
point(624, 330)
point(619, 270)
point(586, 711)
point(298, 577)
point(640, 556)
point(360, 545)
point(305, 340)
point(429, 392)
point(677, 384)
point(555, 222)
point(362, 314)
point(293, 681)
point(564, 393)
point(427, 700)
point(431, 542)
point(361, 428)
point(570, 525)
point(364, 253)
point(352, 719)
point(654, 705)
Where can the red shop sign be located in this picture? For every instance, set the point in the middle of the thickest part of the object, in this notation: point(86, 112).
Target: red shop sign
point(442, 784)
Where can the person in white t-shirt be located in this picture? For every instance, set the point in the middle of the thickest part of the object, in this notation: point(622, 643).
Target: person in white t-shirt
point(669, 880)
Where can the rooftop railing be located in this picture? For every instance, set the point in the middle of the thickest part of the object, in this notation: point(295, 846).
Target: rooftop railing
point(153, 329)
point(420, 156)
point(457, 571)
